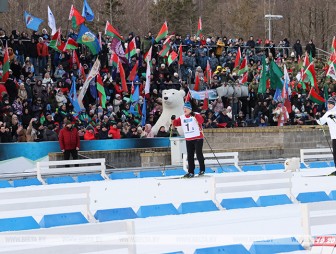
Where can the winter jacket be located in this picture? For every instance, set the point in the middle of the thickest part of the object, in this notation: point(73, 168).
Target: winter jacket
point(115, 132)
point(42, 49)
point(69, 139)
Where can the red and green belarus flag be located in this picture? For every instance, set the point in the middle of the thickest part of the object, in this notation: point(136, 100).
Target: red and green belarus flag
point(112, 32)
point(238, 57)
point(163, 32)
point(55, 41)
point(243, 67)
point(5, 66)
point(122, 77)
point(71, 44)
point(114, 59)
point(199, 27)
point(172, 57)
point(315, 97)
point(131, 49)
point(133, 72)
point(101, 91)
point(311, 74)
point(180, 61)
point(76, 18)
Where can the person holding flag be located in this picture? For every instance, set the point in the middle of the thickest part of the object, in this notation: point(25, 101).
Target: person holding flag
point(329, 118)
point(192, 127)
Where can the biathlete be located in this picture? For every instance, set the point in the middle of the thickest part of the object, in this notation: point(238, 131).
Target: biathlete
point(191, 124)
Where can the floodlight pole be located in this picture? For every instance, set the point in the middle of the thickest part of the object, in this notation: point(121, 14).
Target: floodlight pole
point(271, 17)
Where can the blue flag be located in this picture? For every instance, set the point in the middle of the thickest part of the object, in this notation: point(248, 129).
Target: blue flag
point(87, 12)
point(93, 89)
point(86, 37)
point(135, 101)
point(277, 95)
point(73, 97)
point(32, 22)
point(144, 113)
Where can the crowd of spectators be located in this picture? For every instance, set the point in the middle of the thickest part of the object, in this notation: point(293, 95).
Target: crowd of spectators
point(34, 101)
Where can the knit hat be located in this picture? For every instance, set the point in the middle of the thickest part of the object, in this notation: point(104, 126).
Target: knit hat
point(332, 101)
point(187, 105)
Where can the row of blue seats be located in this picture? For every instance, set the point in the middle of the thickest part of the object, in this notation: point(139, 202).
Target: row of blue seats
point(272, 246)
point(125, 213)
point(151, 173)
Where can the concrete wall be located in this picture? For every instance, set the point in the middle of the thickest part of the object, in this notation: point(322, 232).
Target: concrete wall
point(251, 143)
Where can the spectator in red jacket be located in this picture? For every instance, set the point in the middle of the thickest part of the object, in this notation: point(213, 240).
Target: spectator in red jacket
point(114, 132)
point(43, 53)
point(69, 141)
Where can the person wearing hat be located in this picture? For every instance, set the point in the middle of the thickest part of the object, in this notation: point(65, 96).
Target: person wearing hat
point(192, 127)
point(69, 141)
point(329, 118)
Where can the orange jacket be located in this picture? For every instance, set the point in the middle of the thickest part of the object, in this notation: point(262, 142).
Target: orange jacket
point(42, 49)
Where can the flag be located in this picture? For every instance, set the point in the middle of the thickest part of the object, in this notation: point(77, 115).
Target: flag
point(86, 37)
point(163, 32)
point(331, 71)
point(315, 97)
point(172, 57)
point(206, 101)
point(101, 91)
point(199, 27)
point(148, 55)
point(305, 65)
point(148, 77)
point(187, 98)
point(122, 77)
point(284, 93)
point(180, 61)
point(87, 12)
point(51, 21)
point(117, 47)
point(238, 56)
point(75, 58)
point(243, 67)
point(165, 49)
point(92, 74)
point(333, 45)
point(71, 44)
point(100, 39)
point(208, 73)
point(263, 78)
point(114, 59)
point(197, 83)
point(311, 74)
point(244, 78)
point(55, 40)
point(32, 22)
point(5, 66)
point(135, 93)
point(112, 32)
point(144, 112)
point(73, 97)
point(133, 72)
point(275, 75)
point(131, 49)
point(75, 17)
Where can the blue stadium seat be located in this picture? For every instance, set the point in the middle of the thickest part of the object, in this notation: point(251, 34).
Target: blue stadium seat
point(252, 168)
point(157, 210)
point(228, 169)
point(26, 182)
point(197, 207)
point(332, 195)
point(5, 184)
point(59, 180)
point(308, 197)
point(175, 172)
point(19, 223)
point(115, 214)
point(122, 175)
point(275, 166)
point(236, 203)
point(332, 164)
point(151, 173)
point(228, 249)
point(89, 178)
point(276, 246)
point(62, 219)
point(272, 200)
point(319, 164)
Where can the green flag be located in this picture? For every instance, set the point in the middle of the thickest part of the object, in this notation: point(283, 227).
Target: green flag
point(262, 82)
point(276, 75)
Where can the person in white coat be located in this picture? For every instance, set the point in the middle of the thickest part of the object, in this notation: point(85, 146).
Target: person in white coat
point(330, 118)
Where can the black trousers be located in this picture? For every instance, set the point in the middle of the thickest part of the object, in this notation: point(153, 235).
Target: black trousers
point(73, 152)
point(192, 147)
point(334, 150)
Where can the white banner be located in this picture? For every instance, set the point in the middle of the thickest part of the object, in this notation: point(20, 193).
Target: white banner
point(200, 95)
point(331, 71)
point(92, 74)
point(51, 21)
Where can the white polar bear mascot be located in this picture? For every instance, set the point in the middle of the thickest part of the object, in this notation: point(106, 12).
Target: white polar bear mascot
point(172, 104)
